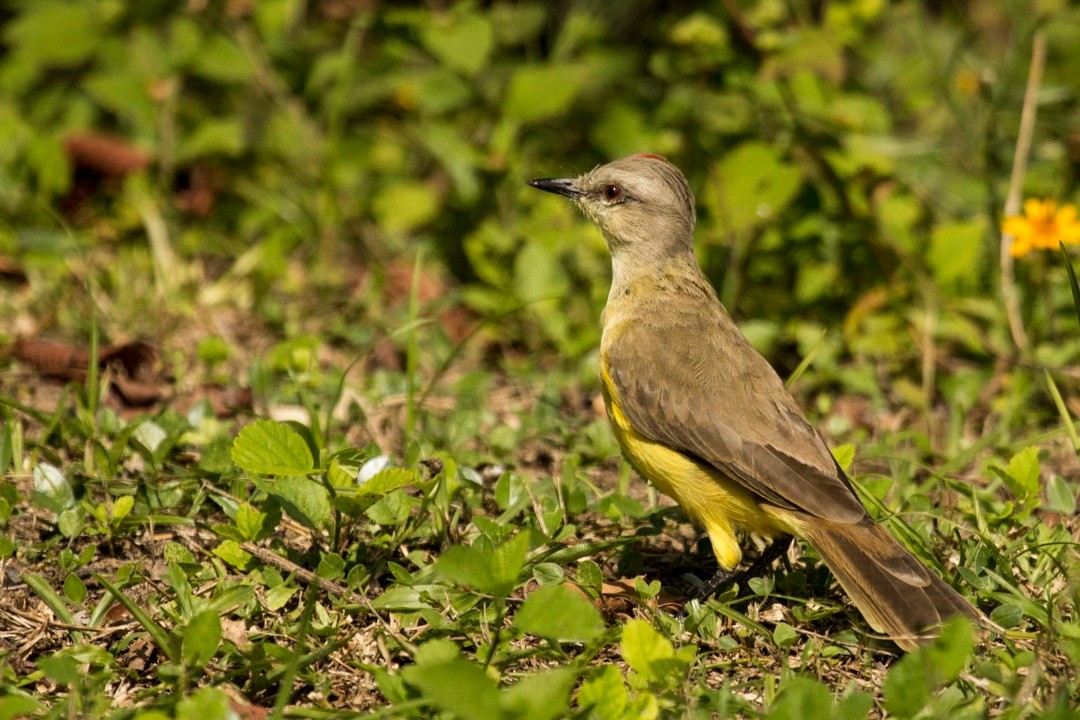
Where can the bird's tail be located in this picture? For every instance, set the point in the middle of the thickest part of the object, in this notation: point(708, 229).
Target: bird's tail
point(897, 594)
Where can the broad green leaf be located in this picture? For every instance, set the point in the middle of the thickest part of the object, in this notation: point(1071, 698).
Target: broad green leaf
point(201, 638)
point(954, 250)
point(750, 186)
point(19, 706)
point(405, 206)
point(122, 508)
point(539, 92)
point(539, 696)
point(1060, 495)
point(456, 686)
point(386, 481)
point(209, 703)
point(1007, 616)
point(548, 573)
point(644, 649)
point(150, 435)
point(463, 44)
point(52, 488)
point(1022, 473)
point(802, 699)
point(306, 501)
point(251, 524)
point(55, 34)
point(484, 568)
point(221, 59)
point(74, 588)
point(784, 635)
point(590, 577)
point(558, 613)
point(605, 694)
point(271, 448)
point(231, 552)
point(844, 455)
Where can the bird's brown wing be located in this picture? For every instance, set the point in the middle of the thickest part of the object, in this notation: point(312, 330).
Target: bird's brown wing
point(691, 381)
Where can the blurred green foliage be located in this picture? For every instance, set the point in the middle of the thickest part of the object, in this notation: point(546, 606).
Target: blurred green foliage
point(849, 157)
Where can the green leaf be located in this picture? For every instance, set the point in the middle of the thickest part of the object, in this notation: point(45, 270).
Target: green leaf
point(271, 448)
point(405, 206)
point(483, 567)
point(845, 455)
point(209, 703)
point(645, 650)
point(911, 683)
point(539, 92)
point(548, 573)
point(954, 250)
point(306, 501)
point(558, 613)
point(252, 524)
point(1022, 474)
point(122, 508)
point(52, 489)
point(55, 34)
point(1060, 495)
point(74, 588)
point(456, 686)
point(386, 481)
point(605, 694)
point(1007, 616)
point(222, 60)
point(201, 638)
point(463, 44)
point(231, 552)
point(784, 635)
point(19, 706)
point(538, 696)
point(752, 184)
point(590, 577)
point(802, 699)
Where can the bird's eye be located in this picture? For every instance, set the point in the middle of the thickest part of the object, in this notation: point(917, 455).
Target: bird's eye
point(612, 192)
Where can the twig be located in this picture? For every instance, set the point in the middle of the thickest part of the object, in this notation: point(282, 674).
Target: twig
point(1016, 182)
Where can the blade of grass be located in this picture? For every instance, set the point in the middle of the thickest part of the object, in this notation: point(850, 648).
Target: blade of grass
point(1063, 411)
point(53, 600)
point(807, 360)
point(157, 633)
point(285, 689)
point(1072, 280)
point(413, 351)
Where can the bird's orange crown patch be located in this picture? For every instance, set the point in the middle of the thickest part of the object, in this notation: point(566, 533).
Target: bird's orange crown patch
point(650, 156)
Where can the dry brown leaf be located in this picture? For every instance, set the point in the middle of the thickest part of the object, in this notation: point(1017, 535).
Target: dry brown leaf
point(105, 154)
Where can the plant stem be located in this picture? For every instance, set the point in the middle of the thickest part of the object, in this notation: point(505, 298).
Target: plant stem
point(1016, 187)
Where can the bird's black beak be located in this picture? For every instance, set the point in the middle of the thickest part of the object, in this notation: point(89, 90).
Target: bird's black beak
point(559, 186)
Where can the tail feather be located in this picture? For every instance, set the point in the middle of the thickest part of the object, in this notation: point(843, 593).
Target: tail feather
point(897, 594)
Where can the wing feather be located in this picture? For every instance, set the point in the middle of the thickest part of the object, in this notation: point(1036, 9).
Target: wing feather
point(692, 382)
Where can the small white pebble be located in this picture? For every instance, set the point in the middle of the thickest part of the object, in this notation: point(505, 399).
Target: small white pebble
point(372, 467)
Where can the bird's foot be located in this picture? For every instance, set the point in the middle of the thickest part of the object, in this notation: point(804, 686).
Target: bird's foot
point(777, 548)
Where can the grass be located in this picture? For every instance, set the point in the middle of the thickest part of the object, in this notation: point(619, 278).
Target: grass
point(500, 560)
point(367, 471)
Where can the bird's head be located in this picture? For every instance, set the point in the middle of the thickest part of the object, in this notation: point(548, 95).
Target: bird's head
point(641, 203)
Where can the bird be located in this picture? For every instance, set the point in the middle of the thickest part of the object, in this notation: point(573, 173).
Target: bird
point(702, 415)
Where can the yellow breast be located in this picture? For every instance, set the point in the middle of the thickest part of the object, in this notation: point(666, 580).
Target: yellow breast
point(709, 498)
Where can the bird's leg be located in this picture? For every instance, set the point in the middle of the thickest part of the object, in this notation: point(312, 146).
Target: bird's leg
point(709, 589)
point(777, 548)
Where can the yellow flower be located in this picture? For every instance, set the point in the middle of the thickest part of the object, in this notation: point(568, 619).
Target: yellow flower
point(1043, 225)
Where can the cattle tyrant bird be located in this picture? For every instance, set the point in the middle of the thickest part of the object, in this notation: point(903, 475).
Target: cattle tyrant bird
point(704, 417)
